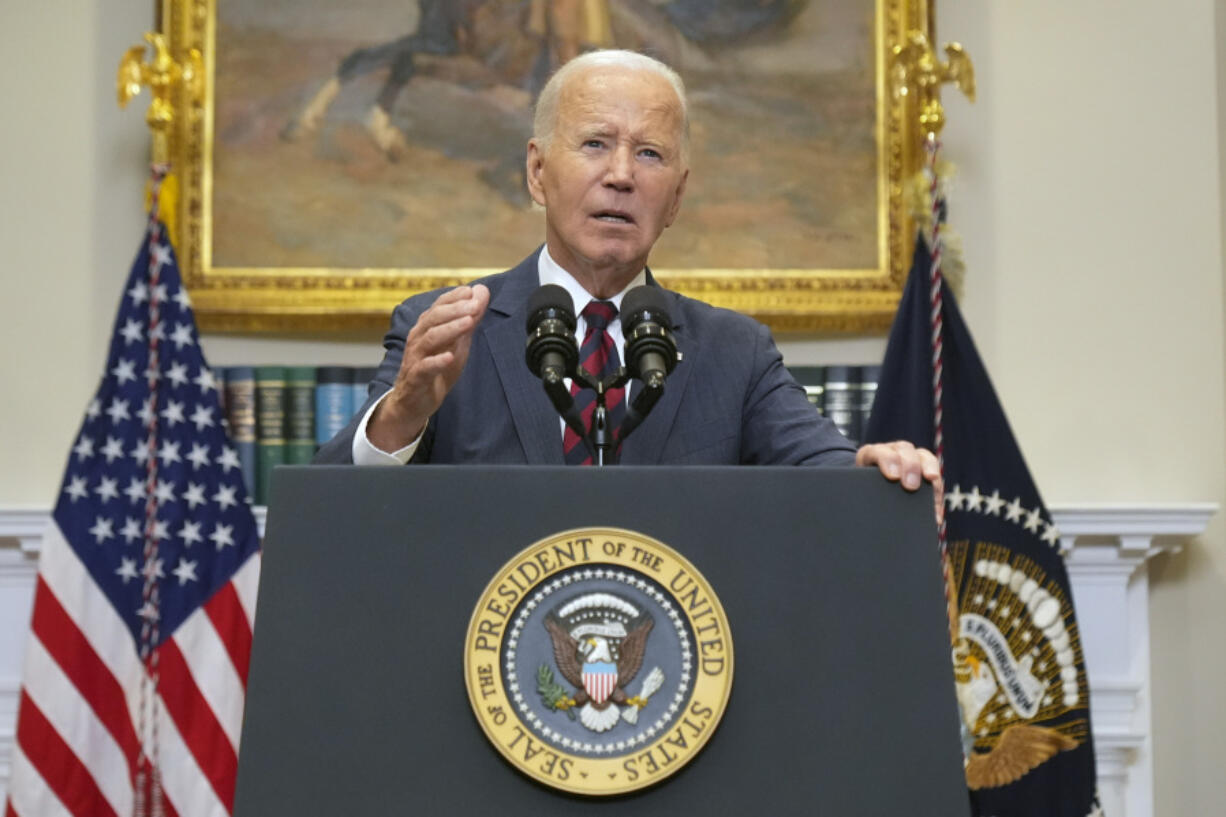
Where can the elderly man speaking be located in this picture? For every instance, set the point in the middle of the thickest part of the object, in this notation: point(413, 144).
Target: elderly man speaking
point(608, 160)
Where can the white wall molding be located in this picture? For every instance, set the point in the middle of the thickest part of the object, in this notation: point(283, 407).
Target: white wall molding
point(1108, 547)
point(25, 525)
point(10, 690)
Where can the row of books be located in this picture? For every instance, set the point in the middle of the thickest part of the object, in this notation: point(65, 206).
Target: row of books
point(280, 415)
point(845, 394)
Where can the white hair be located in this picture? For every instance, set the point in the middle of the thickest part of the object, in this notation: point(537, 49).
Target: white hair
point(545, 120)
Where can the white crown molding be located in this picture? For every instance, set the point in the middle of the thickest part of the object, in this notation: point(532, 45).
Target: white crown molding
point(26, 525)
point(1126, 520)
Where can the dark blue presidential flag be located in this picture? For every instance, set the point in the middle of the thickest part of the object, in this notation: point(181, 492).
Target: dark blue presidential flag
point(1018, 662)
point(136, 666)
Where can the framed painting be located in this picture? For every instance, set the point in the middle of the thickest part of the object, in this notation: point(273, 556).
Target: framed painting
point(347, 155)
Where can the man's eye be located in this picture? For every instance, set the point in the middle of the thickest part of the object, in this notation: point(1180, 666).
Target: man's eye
point(650, 153)
point(593, 143)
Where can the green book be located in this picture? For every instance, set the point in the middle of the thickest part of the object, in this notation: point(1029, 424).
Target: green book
point(269, 426)
point(299, 414)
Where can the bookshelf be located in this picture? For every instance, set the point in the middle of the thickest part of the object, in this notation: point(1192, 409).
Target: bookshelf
point(280, 415)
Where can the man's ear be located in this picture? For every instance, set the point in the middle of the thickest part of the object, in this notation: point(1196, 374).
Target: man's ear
point(534, 167)
point(677, 196)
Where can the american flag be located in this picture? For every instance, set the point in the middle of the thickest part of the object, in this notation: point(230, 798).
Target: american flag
point(136, 665)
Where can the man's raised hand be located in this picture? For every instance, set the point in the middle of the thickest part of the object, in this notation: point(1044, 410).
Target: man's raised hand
point(434, 356)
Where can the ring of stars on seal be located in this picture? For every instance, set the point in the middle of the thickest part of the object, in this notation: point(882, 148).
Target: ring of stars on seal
point(598, 661)
point(675, 618)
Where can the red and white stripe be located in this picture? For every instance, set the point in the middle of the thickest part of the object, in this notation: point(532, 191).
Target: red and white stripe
point(78, 721)
point(599, 685)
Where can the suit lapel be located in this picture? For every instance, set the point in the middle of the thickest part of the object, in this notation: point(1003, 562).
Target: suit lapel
point(539, 431)
point(536, 424)
point(645, 446)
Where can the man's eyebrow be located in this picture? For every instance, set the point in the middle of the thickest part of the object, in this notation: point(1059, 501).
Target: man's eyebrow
point(596, 130)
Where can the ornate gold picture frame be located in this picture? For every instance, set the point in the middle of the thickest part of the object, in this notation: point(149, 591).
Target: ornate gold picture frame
point(345, 156)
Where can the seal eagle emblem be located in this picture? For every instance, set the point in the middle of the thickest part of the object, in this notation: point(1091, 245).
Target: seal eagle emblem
point(600, 651)
point(598, 661)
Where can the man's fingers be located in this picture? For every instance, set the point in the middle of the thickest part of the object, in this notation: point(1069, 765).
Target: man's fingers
point(435, 352)
point(460, 293)
point(442, 336)
point(910, 464)
point(455, 303)
point(436, 364)
point(444, 323)
point(883, 455)
point(900, 461)
point(481, 297)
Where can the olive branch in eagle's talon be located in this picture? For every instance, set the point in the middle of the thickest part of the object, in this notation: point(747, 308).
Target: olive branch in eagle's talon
point(553, 694)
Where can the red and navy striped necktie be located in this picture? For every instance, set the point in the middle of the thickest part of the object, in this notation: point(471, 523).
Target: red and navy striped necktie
point(598, 355)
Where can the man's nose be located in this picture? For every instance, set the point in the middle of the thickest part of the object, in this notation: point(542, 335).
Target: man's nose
point(619, 173)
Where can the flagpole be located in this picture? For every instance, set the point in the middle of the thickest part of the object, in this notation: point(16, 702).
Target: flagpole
point(919, 77)
point(936, 198)
point(165, 78)
point(932, 146)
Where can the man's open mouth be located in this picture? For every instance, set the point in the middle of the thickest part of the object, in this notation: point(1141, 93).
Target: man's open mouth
point(613, 216)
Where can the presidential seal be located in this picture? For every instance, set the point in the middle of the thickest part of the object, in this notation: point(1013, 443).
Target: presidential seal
point(598, 661)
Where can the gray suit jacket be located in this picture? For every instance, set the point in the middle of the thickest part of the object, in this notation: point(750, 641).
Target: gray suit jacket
point(729, 401)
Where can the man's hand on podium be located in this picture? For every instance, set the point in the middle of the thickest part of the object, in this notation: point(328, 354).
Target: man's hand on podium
point(902, 462)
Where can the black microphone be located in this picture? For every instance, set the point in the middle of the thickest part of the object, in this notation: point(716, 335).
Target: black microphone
point(651, 350)
point(551, 353)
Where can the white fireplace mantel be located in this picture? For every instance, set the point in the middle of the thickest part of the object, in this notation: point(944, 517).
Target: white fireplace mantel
point(1108, 547)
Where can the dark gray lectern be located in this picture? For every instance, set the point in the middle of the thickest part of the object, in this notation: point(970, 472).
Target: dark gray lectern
point(843, 697)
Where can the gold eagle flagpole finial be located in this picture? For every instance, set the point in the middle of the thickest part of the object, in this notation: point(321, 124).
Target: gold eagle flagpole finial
point(917, 75)
point(168, 80)
point(164, 76)
point(917, 72)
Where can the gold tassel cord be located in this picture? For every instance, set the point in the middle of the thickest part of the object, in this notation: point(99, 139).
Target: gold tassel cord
point(168, 205)
point(917, 196)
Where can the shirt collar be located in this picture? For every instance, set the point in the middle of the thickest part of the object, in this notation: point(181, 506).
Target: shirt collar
point(550, 272)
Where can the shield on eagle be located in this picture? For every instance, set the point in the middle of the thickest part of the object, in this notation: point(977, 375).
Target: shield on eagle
point(599, 679)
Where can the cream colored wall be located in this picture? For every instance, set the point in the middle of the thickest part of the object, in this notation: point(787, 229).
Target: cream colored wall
point(1093, 158)
point(46, 225)
point(1090, 197)
point(74, 167)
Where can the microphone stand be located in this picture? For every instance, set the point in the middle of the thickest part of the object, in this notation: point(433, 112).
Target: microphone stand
point(599, 439)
